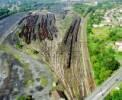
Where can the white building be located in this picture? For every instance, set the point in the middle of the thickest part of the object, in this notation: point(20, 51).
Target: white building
point(118, 45)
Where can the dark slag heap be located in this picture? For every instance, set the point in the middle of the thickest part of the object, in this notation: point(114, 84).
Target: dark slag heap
point(38, 25)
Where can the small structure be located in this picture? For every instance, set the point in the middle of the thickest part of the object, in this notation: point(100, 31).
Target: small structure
point(98, 25)
point(118, 45)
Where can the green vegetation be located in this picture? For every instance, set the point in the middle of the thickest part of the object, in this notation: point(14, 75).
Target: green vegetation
point(4, 12)
point(101, 41)
point(26, 7)
point(115, 94)
point(118, 56)
point(111, 33)
point(24, 98)
point(35, 52)
point(97, 16)
point(116, 34)
point(19, 45)
point(43, 81)
point(21, 98)
point(108, 4)
point(82, 9)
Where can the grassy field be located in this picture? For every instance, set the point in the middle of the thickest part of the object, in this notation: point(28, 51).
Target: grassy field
point(101, 32)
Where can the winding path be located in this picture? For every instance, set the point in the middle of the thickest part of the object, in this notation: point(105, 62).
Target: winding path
point(8, 25)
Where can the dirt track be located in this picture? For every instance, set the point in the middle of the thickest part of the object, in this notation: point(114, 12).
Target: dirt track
point(88, 73)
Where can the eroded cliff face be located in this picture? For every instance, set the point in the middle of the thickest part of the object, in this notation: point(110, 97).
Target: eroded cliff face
point(61, 52)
